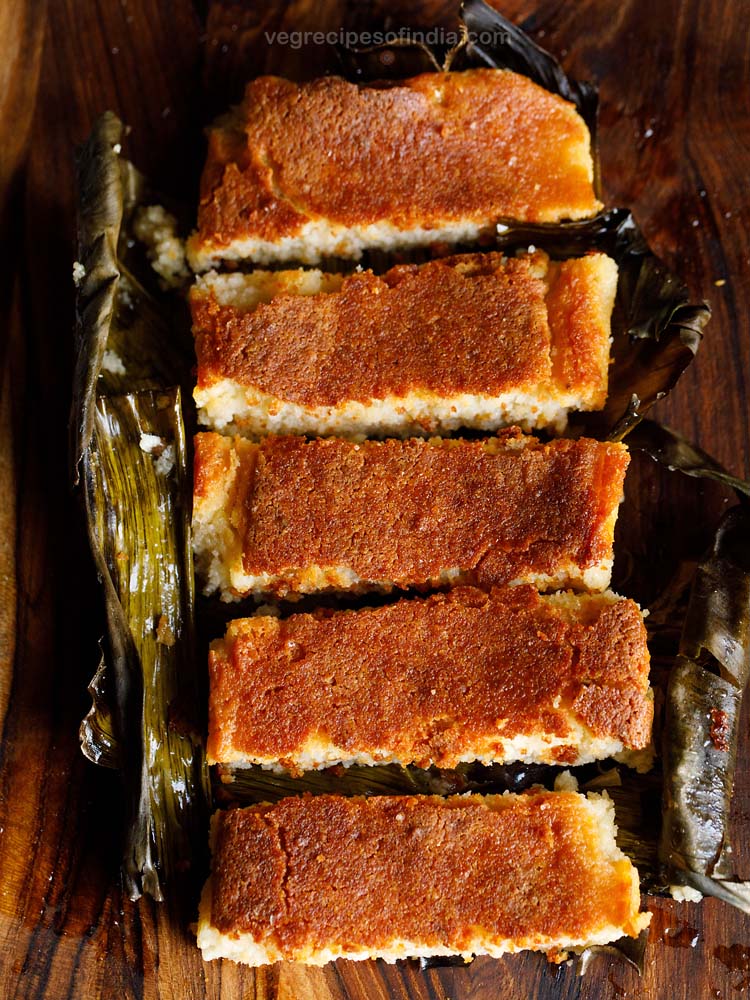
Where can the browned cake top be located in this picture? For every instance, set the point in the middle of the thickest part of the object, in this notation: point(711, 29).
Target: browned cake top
point(406, 511)
point(475, 323)
point(428, 680)
point(470, 324)
point(480, 145)
point(360, 873)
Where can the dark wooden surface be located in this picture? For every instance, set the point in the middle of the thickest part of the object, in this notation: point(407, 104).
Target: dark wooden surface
point(675, 146)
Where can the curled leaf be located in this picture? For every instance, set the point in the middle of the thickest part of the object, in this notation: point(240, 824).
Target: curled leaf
point(97, 731)
point(679, 455)
point(100, 213)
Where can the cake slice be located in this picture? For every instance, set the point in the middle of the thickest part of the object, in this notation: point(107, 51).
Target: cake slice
point(464, 676)
point(290, 516)
point(313, 879)
point(476, 340)
point(300, 171)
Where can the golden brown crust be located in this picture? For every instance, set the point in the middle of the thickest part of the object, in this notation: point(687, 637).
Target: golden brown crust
point(313, 873)
point(611, 697)
point(429, 681)
point(405, 512)
point(214, 460)
point(580, 360)
point(473, 323)
point(430, 327)
point(480, 145)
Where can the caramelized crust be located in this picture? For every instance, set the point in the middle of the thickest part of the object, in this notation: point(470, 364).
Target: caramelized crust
point(475, 323)
point(479, 146)
point(433, 681)
point(312, 878)
point(407, 513)
point(580, 298)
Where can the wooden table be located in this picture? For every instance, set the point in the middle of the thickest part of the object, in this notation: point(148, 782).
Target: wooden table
point(675, 146)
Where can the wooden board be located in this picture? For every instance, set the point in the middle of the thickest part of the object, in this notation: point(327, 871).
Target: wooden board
point(675, 145)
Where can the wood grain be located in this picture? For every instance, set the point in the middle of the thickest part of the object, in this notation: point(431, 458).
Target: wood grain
point(675, 144)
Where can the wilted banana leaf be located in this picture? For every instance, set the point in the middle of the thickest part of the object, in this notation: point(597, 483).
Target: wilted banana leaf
point(255, 784)
point(702, 700)
point(128, 335)
point(703, 714)
point(678, 454)
point(137, 491)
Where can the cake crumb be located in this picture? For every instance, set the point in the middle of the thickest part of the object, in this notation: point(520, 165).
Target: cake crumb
point(685, 894)
point(112, 363)
point(156, 228)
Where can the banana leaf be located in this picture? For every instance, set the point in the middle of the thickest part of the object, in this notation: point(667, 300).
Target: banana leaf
point(248, 785)
point(128, 335)
point(703, 716)
point(136, 488)
point(132, 345)
point(677, 453)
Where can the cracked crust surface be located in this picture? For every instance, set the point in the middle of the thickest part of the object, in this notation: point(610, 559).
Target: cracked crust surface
point(291, 515)
point(458, 676)
point(331, 161)
point(311, 879)
point(474, 325)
